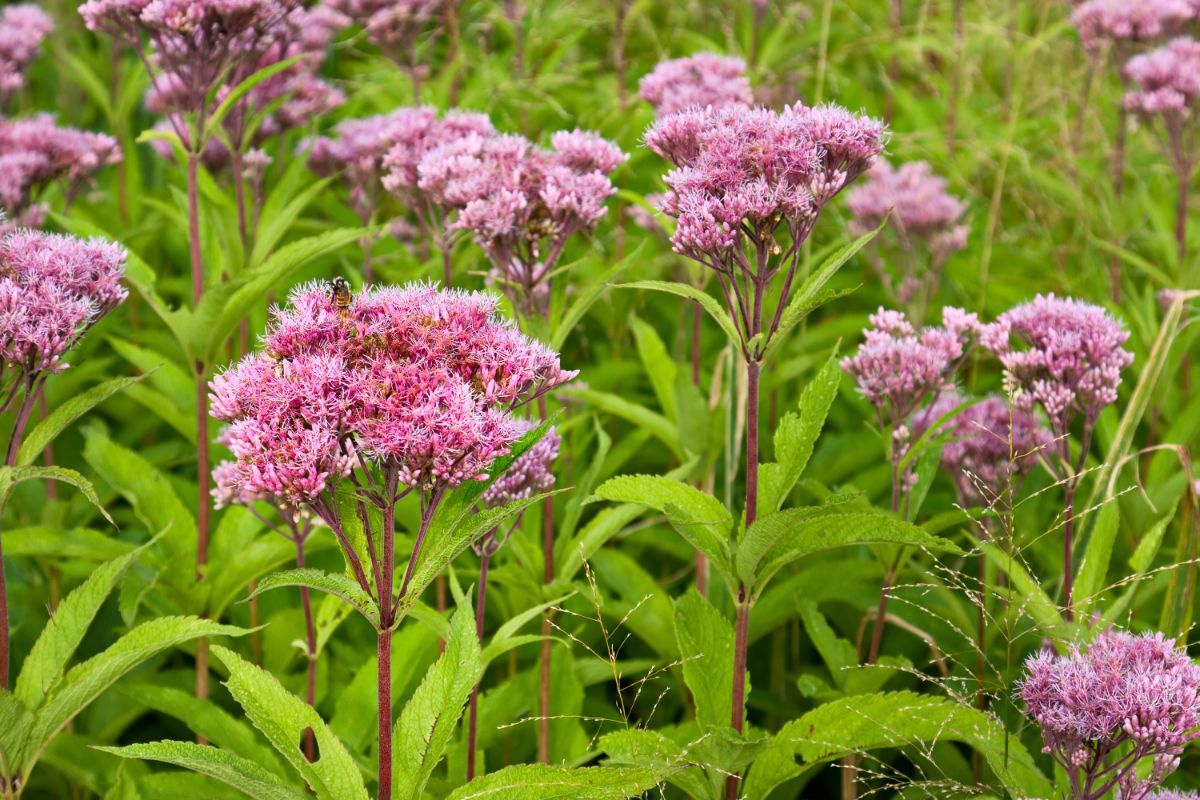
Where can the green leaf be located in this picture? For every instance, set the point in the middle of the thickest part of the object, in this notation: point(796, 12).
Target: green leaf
point(15, 720)
point(710, 305)
point(11, 476)
point(778, 539)
point(220, 312)
point(283, 718)
point(796, 435)
point(66, 413)
point(242, 89)
point(810, 295)
point(1093, 567)
point(336, 584)
point(1028, 598)
point(586, 298)
point(658, 425)
point(698, 517)
point(649, 749)
point(48, 658)
point(706, 648)
point(659, 366)
point(837, 653)
point(899, 719)
point(228, 768)
point(427, 724)
point(87, 681)
point(544, 782)
point(506, 638)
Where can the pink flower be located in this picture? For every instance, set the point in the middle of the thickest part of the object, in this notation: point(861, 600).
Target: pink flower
point(1100, 21)
point(898, 368)
point(53, 288)
point(697, 82)
point(1135, 694)
point(34, 153)
point(923, 211)
point(391, 24)
point(1062, 354)
point(1169, 78)
point(23, 27)
point(529, 475)
point(415, 132)
point(421, 381)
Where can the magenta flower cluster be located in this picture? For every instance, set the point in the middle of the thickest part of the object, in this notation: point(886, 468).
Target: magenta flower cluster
point(1062, 354)
point(23, 27)
point(34, 153)
point(741, 173)
point(532, 473)
point(1105, 708)
point(921, 209)
point(420, 381)
point(992, 442)
point(521, 203)
point(700, 81)
point(898, 368)
point(1168, 79)
point(1129, 21)
point(53, 288)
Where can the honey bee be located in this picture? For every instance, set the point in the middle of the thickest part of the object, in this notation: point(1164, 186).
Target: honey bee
point(276, 358)
point(342, 297)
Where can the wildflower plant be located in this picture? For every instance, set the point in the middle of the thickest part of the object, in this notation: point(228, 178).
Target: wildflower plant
point(705, 80)
point(348, 409)
point(1106, 708)
point(23, 27)
point(1066, 357)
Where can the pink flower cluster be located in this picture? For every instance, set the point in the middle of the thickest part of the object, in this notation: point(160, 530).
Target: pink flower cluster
point(742, 172)
point(1101, 21)
point(1168, 79)
point(696, 82)
point(521, 203)
point(22, 29)
point(898, 368)
point(1062, 354)
point(416, 132)
point(1103, 709)
point(421, 381)
point(923, 212)
point(391, 24)
point(53, 288)
point(1173, 794)
point(34, 152)
point(993, 442)
point(530, 474)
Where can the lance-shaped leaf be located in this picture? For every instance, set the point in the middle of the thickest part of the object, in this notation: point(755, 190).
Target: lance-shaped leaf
point(241, 773)
point(778, 539)
point(707, 302)
point(11, 476)
point(48, 658)
point(427, 724)
point(66, 413)
point(283, 718)
point(336, 584)
point(701, 519)
point(545, 782)
point(705, 639)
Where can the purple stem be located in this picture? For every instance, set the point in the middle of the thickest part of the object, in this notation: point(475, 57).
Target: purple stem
point(473, 718)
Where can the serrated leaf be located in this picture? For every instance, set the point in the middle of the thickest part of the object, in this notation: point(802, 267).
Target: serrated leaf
point(705, 639)
point(701, 519)
point(11, 476)
point(336, 584)
point(64, 414)
point(426, 725)
point(659, 366)
point(653, 422)
point(48, 658)
point(545, 782)
point(707, 302)
point(283, 718)
point(228, 768)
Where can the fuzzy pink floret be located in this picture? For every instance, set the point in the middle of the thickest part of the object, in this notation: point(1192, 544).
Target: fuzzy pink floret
point(53, 288)
point(1123, 690)
point(528, 475)
point(921, 208)
point(1168, 78)
point(1062, 354)
point(699, 81)
point(23, 27)
point(420, 380)
point(1101, 21)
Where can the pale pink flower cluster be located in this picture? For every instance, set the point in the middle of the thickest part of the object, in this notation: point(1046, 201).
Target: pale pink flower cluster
point(992, 443)
point(696, 82)
point(520, 202)
point(1104, 708)
point(532, 473)
point(1173, 794)
point(745, 172)
point(414, 133)
point(1062, 354)
point(23, 27)
point(53, 288)
point(921, 209)
point(421, 381)
point(1103, 21)
point(392, 24)
point(34, 152)
point(898, 368)
point(1168, 79)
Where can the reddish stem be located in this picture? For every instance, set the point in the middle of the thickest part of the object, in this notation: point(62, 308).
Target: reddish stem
point(14, 445)
point(473, 714)
point(384, 689)
point(310, 632)
point(547, 630)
